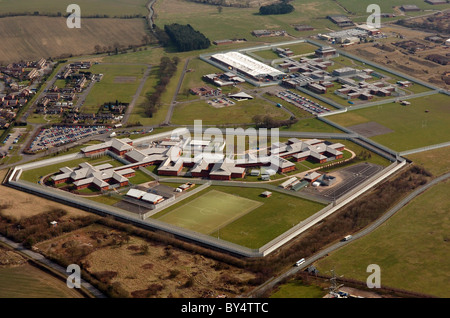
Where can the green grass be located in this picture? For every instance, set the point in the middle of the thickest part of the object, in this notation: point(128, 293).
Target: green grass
point(436, 161)
point(239, 22)
point(140, 178)
point(194, 79)
point(311, 125)
point(411, 248)
point(412, 126)
point(33, 175)
point(295, 289)
point(275, 216)
point(108, 90)
point(278, 214)
point(209, 212)
point(240, 113)
point(359, 6)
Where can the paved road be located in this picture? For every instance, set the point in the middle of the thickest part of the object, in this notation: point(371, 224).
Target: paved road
point(136, 95)
point(174, 99)
point(275, 280)
point(41, 259)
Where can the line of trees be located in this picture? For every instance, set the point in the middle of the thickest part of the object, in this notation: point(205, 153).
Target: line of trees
point(167, 69)
point(186, 38)
point(268, 121)
point(278, 8)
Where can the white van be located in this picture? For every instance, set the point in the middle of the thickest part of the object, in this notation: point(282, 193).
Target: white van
point(300, 262)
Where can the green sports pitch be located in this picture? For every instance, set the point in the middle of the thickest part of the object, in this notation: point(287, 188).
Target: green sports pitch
point(210, 211)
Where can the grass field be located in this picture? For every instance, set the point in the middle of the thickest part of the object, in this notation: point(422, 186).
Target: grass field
point(272, 217)
point(29, 282)
point(295, 289)
point(240, 113)
point(33, 37)
point(436, 161)
point(412, 126)
point(210, 212)
point(239, 22)
point(88, 7)
point(110, 88)
point(411, 248)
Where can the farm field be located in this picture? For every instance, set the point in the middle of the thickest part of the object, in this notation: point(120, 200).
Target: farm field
point(412, 126)
point(422, 224)
point(120, 82)
point(210, 211)
point(271, 218)
point(239, 22)
point(110, 8)
point(359, 6)
point(26, 281)
point(34, 37)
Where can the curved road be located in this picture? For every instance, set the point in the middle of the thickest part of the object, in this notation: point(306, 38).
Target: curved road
point(275, 280)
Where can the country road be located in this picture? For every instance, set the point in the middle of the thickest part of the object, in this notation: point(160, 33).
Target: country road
point(174, 99)
point(268, 285)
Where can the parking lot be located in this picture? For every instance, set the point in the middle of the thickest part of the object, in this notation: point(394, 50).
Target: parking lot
point(63, 135)
point(349, 178)
point(302, 102)
point(11, 140)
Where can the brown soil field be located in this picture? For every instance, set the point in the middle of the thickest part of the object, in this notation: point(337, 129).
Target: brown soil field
point(21, 204)
point(162, 268)
point(34, 37)
point(399, 59)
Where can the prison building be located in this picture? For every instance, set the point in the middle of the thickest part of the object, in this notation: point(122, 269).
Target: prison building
point(325, 51)
point(289, 183)
point(118, 146)
point(152, 198)
point(247, 66)
point(311, 177)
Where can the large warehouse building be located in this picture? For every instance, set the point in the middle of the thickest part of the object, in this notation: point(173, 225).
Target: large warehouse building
point(248, 66)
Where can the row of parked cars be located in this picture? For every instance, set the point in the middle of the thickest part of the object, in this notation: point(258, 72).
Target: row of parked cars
point(61, 135)
point(303, 102)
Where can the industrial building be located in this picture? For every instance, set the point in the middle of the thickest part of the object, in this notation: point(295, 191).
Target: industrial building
point(247, 66)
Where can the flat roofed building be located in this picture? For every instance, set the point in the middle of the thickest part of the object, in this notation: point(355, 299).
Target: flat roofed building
point(135, 193)
point(247, 65)
point(152, 198)
point(325, 51)
point(409, 8)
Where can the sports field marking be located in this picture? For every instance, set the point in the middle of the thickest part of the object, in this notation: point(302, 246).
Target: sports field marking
point(210, 212)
